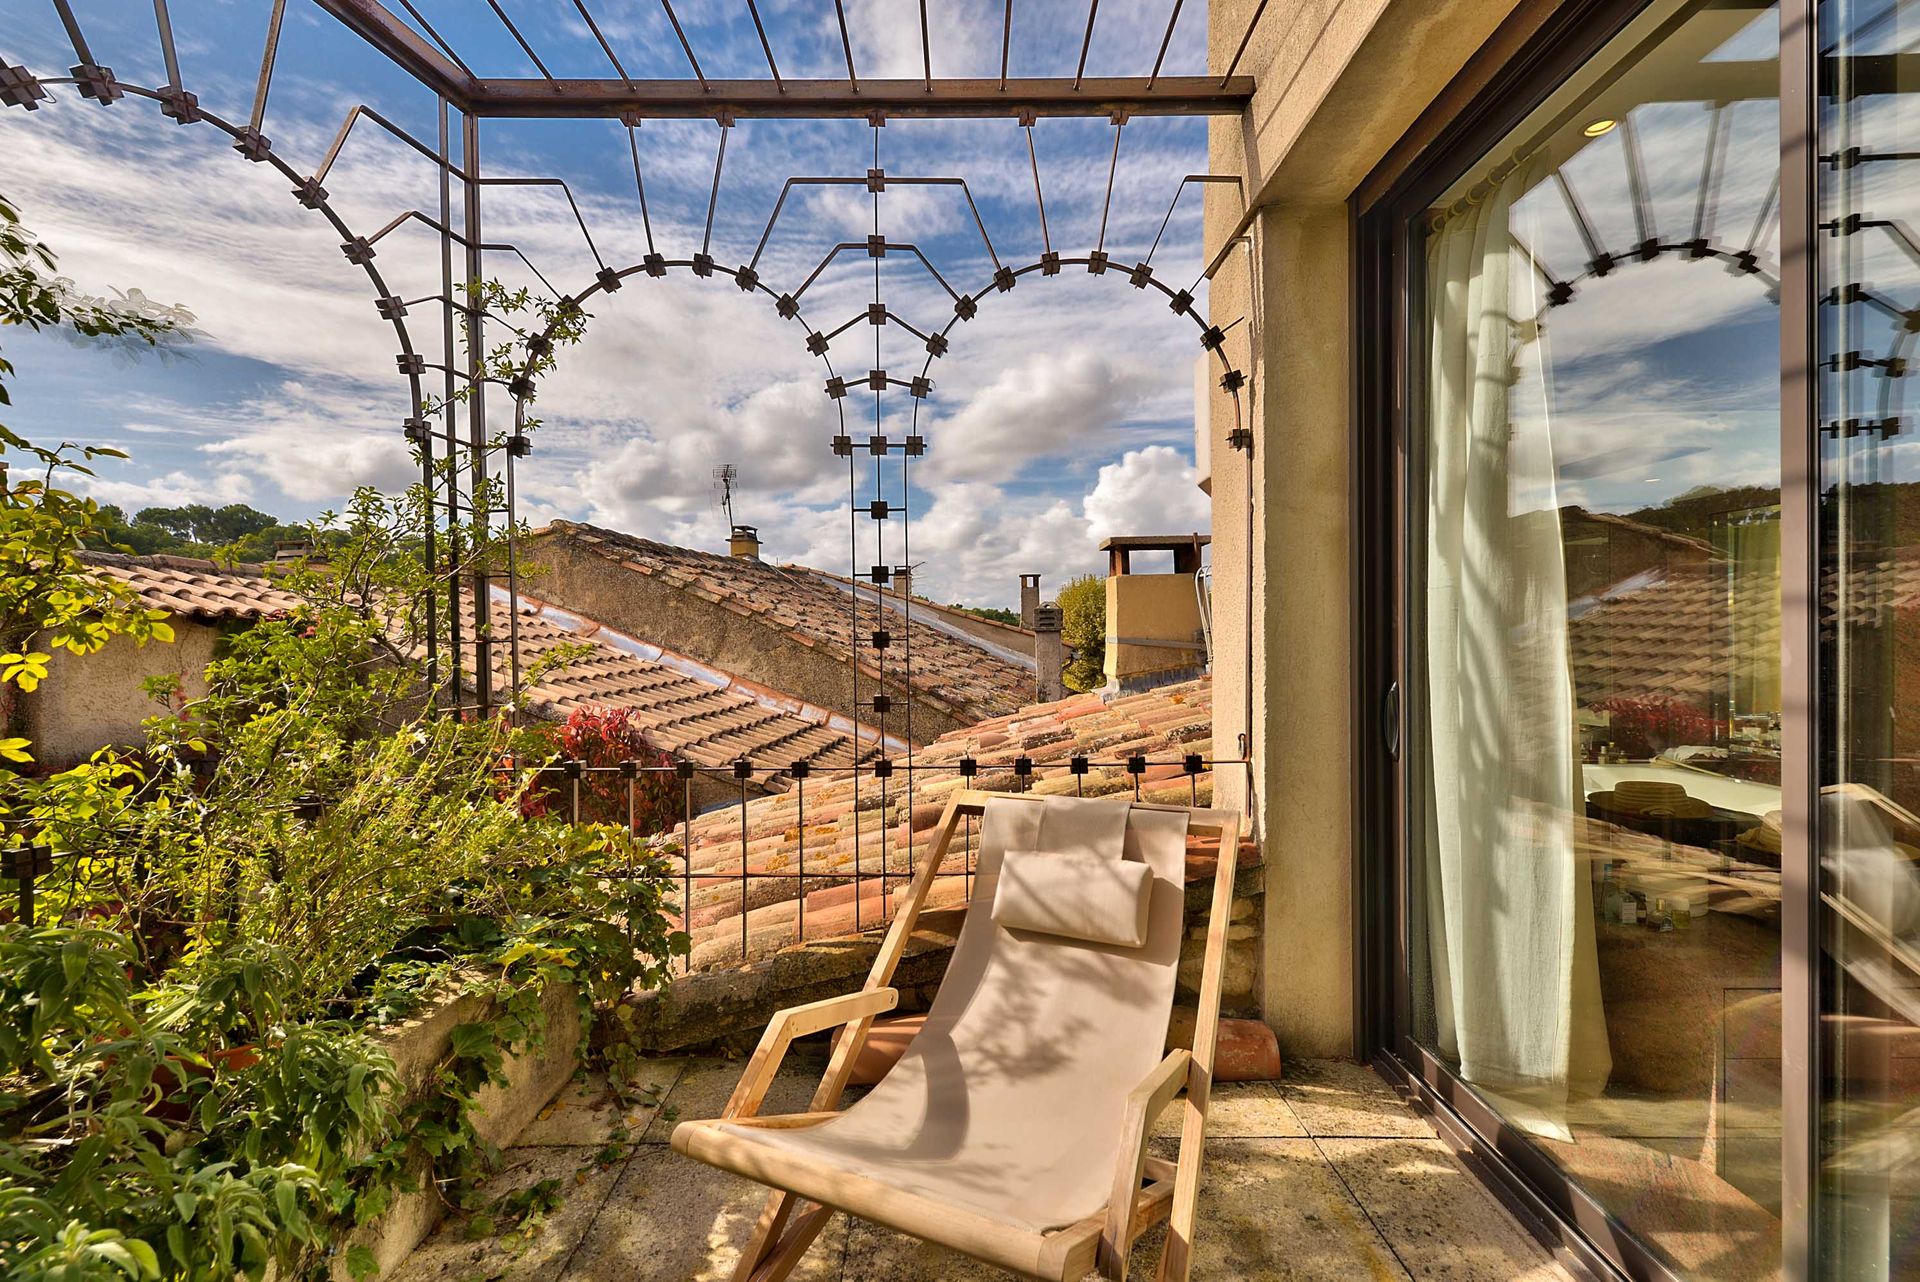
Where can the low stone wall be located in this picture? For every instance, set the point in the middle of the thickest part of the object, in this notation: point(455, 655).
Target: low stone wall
point(534, 1077)
point(726, 1010)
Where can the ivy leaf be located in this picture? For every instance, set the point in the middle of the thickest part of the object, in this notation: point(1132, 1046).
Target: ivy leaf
point(361, 1262)
point(25, 670)
point(15, 750)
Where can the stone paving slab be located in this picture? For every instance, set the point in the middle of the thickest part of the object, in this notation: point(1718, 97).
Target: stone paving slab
point(1239, 1110)
point(674, 1220)
point(1338, 1098)
point(588, 1111)
point(540, 1255)
point(1440, 1221)
point(1326, 1176)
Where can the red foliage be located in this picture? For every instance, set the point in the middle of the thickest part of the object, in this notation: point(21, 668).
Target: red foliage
point(1646, 727)
point(602, 739)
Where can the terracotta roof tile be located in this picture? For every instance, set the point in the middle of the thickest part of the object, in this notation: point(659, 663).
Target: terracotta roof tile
point(893, 828)
point(193, 587)
point(817, 611)
point(683, 714)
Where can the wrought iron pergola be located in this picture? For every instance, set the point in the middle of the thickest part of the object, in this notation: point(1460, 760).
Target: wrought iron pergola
point(469, 424)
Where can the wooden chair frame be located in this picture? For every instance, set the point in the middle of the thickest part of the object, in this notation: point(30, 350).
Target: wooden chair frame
point(1146, 1189)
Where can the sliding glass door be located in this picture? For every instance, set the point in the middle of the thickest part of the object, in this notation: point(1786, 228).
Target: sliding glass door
point(1650, 916)
point(1592, 633)
point(1868, 881)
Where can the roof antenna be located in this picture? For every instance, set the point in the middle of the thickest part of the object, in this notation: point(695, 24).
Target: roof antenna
point(723, 478)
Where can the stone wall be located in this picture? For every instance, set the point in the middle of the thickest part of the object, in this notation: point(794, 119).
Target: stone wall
point(590, 584)
point(95, 700)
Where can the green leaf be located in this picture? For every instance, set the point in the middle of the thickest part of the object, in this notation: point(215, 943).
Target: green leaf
point(144, 1256)
point(361, 1262)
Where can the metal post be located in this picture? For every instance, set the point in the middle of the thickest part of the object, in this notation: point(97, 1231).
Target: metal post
point(685, 770)
point(800, 896)
point(477, 416)
point(1799, 642)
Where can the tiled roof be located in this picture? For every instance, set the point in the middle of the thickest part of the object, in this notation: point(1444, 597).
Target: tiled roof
point(892, 828)
point(192, 587)
point(948, 669)
point(1680, 632)
point(700, 716)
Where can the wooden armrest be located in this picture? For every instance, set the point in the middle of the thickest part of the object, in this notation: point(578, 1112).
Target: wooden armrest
point(798, 1021)
point(1144, 1105)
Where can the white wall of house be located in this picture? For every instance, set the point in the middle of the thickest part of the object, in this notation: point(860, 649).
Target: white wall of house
point(1339, 84)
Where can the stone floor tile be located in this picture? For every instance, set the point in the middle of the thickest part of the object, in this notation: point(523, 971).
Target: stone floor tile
point(671, 1219)
point(1441, 1221)
point(1270, 1211)
point(537, 1256)
point(703, 1088)
point(1341, 1098)
point(1273, 1209)
point(588, 1112)
point(1239, 1110)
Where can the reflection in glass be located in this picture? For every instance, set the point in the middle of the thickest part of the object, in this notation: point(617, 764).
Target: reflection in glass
point(1869, 511)
point(1596, 635)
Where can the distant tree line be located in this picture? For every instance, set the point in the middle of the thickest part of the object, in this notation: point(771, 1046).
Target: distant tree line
point(990, 612)
point(235, 532)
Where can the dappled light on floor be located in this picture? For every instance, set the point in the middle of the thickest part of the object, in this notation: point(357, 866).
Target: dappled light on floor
point(1326, 1175)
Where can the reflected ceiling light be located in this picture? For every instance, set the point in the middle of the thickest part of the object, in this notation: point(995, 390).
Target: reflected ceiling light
point(1597, 127)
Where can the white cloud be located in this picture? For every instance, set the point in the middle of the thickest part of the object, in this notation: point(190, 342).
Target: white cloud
point(174, 489)
point(1148, 491)
point(1048, 403)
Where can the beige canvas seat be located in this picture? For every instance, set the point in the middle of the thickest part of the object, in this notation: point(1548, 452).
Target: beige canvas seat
point(1014, 1126)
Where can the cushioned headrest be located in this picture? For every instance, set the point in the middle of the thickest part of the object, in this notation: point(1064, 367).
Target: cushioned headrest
point(1078, 896)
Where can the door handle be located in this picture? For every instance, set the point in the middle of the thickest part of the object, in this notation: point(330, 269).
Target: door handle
point(1390, 720)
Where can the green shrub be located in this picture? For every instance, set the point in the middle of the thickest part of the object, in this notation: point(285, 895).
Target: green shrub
point(190, 1083)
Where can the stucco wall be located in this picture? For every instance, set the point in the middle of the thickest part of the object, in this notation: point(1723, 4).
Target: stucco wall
point(91, 701)
point(1338, 85)
point(589, 584)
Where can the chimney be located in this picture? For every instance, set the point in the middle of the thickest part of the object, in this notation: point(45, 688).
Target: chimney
point(1029, 599)
point(744, 542)
point(903, 581)
point(1049, 652)
point(287, 551)
point(1155, 631)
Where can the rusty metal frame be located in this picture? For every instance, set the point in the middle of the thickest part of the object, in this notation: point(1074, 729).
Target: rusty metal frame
point(467, 460)
point(927, 96)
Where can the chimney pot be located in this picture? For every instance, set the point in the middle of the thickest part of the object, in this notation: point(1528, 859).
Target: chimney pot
point(1029, 599)
point(1155, 629)
point(1049, 652)
point(744, 542)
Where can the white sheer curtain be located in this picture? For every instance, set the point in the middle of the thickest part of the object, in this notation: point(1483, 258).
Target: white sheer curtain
point(1509, 911)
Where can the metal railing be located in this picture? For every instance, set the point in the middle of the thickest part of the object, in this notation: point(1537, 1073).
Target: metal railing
point(885, 807)
point(693, 829)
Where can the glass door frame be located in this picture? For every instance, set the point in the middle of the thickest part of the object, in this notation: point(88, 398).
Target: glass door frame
point(1539, 47)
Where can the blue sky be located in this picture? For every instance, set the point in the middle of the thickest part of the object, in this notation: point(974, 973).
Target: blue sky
point(1062, 414)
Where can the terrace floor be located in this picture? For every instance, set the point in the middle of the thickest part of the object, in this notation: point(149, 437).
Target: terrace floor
point(1325, 1175)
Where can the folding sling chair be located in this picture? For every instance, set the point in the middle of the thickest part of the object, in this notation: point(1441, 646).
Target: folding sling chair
point(1014, 1127)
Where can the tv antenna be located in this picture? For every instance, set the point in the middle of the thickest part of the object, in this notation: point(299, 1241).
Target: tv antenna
point(723, 478)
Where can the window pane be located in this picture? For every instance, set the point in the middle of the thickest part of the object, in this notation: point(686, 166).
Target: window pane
point(1869, 964)
point(1596, 634)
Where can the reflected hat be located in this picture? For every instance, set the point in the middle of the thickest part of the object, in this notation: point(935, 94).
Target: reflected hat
point(1652, 798)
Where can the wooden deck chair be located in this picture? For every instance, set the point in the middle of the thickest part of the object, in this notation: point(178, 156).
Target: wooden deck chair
point(1014, 1128)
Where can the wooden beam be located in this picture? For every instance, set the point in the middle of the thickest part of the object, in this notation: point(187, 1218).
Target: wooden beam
point(894, 99)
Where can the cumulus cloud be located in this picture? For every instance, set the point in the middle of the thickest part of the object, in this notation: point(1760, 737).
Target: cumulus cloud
point(1046, 404)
